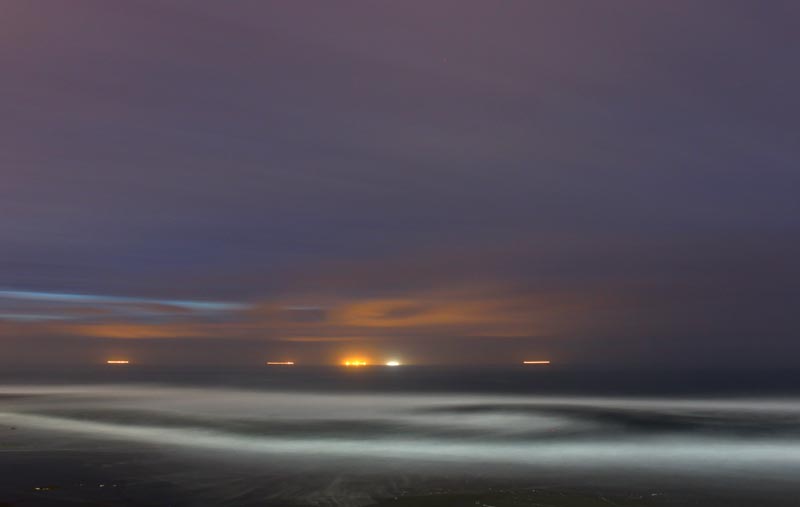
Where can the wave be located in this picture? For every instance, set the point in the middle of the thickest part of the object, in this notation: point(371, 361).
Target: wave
point(705, 436)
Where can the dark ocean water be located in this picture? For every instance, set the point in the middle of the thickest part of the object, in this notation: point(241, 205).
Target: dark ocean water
point(332, 436)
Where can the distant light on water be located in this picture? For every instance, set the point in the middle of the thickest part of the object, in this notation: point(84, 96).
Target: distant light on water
point(117, 361)
point(355, 362)
point(393, 363)
point(536, 362)
point(280, 363)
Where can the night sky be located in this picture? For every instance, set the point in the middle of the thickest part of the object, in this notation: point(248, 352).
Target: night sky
point(440, 182)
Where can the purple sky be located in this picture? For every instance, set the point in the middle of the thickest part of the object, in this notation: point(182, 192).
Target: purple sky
point(437, 181)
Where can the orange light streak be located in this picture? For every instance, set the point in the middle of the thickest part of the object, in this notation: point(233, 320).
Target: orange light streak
point(117, 361)
point(280, 363)
point(535, 362)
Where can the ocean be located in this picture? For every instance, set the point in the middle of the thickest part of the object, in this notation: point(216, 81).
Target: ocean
point(294, 435)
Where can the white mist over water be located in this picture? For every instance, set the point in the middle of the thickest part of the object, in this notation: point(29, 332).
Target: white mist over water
point(459, 432)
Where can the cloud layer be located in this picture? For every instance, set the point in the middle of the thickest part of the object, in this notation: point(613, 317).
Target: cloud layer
point(447, 180)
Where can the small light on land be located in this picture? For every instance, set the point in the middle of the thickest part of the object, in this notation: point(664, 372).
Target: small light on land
point(280, 363)
point(535, 362)
point(393, 363)
point(117, 361)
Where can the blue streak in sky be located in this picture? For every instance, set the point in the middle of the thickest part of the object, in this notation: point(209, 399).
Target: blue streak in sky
point(58, 297)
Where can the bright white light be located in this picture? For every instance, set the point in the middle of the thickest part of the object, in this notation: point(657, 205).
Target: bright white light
point(393, 363)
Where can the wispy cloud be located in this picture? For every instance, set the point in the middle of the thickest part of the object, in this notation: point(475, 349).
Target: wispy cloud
point(40, 306)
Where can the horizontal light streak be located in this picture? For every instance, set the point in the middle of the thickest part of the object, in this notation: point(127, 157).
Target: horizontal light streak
point(60, 297)
point(117, 361)
point(280, 363)
point(33, 317)
point(536, 362)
